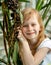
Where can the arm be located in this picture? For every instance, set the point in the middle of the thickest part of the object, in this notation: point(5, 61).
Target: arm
point(27, 56)
point(37, 58)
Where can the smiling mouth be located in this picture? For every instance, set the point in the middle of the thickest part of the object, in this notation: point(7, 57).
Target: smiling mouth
point(30, 33)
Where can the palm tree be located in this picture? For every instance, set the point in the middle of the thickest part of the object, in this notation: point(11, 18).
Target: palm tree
point(12, 18)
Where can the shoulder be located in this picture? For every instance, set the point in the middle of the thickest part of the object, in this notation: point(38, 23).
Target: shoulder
point(45, 43)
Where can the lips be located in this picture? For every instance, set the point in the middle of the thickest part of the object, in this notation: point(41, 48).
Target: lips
point(30, 33)
point(33, 32)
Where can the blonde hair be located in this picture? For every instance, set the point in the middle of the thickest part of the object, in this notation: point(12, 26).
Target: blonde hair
point(27, 13)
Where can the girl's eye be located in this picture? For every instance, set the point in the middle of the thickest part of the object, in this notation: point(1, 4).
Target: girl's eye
point(25, 25)
point(33, 24)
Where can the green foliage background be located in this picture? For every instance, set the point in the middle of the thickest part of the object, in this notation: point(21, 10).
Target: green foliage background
point(8, 27)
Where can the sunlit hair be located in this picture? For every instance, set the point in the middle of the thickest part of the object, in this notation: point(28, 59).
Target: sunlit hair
point(27, 13)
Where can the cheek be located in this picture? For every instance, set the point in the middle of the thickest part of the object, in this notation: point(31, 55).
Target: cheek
point(23, 30)
point(38, 29)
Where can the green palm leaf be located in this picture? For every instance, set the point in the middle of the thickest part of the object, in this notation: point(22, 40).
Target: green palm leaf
point(24, 1)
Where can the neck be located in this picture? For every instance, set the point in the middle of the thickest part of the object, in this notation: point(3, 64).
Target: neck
point(32, 41)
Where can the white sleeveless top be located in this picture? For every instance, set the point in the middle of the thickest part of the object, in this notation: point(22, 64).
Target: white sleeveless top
point(47, 59)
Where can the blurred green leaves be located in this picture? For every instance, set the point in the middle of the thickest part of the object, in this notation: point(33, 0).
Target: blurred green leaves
point(10, 30)
point(24, 1)
point(45, 7)
point(39, 4)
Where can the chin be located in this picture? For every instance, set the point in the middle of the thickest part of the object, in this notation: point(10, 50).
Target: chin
point(32, 37)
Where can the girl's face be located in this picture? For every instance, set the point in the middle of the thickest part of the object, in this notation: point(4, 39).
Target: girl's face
point(31, 28)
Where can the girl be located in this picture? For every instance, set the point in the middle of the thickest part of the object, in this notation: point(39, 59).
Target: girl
point(34, 45)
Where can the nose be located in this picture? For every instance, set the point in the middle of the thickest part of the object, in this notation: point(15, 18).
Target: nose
point(30, 27)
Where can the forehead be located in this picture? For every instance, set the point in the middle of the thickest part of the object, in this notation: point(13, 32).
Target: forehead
point(31, 19)
point(28, 15)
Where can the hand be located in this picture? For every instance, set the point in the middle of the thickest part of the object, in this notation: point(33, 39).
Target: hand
point(21, 37)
